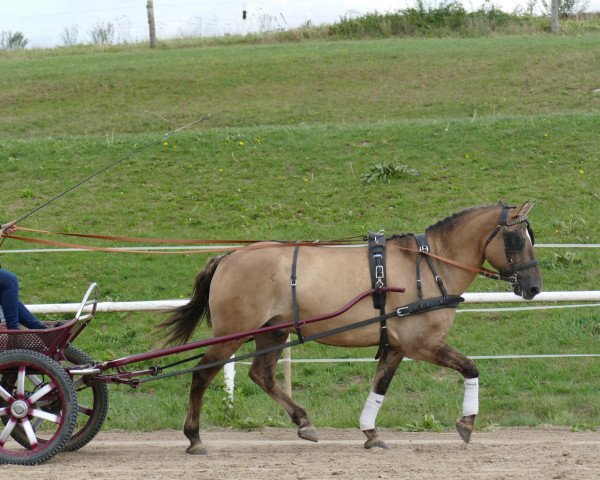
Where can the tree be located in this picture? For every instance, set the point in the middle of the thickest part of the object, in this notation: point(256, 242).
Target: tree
point(12, 41)
point(565, 8)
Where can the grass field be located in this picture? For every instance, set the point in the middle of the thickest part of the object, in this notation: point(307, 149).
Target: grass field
point(293, 129)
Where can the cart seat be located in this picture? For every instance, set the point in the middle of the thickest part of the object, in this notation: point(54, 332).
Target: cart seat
point(57, 335)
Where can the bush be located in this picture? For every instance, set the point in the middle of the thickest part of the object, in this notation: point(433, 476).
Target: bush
point(69, 36)
point(422, 20)
point(12, 41)
point(103, 33)
point(385, 171)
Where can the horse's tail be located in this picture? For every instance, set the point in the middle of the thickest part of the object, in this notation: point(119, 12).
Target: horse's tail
point(186, 319)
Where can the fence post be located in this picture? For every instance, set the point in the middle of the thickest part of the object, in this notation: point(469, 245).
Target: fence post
point(151, 27)
point(554, 11)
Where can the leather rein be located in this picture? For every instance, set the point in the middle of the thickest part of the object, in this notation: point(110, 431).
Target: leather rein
point(509, 275)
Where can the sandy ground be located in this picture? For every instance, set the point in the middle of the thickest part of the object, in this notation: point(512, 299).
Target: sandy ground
point(540, 453)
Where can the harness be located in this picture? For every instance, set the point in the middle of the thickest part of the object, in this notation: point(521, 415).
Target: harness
point(377, 267)
point(377, 262)
point(377, 244)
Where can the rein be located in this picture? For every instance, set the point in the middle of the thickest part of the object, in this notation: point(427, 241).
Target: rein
point(509, 276)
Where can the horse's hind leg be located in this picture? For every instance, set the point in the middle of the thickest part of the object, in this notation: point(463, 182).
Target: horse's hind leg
point(448, 356)
point(263, 372)
point(383, 376)
point(201, 379)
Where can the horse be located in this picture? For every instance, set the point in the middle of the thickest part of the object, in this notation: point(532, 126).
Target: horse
point(250, 288)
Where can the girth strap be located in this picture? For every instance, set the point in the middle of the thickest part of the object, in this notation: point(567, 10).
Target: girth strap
point(293, 283)
point(377, 243)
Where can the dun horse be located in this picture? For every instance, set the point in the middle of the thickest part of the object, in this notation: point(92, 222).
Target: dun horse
point(250, 288)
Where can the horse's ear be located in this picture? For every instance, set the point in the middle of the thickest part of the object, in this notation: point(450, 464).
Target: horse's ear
point(525, 208)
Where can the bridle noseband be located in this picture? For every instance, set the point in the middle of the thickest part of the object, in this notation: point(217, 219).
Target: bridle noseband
point(510, 241)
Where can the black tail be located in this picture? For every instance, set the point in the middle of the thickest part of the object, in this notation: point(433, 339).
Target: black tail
point(186, 319)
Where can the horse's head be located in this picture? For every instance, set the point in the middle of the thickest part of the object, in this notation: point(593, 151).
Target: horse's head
point(509, 248)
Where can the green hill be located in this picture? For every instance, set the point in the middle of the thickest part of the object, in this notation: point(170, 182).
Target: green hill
point(294, 127)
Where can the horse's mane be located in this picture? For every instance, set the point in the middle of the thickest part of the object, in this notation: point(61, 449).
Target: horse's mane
point(452, 220)
point(447, 223)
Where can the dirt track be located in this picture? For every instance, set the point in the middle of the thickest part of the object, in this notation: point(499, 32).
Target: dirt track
point(541, 453)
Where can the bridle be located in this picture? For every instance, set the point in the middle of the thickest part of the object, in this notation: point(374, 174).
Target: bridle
point(512, 245)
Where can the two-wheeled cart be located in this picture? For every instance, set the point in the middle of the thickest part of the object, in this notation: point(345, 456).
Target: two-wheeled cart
point(54, 397)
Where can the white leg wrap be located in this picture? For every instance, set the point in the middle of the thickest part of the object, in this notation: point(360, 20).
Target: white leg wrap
point(471, 399)
point(370, 411)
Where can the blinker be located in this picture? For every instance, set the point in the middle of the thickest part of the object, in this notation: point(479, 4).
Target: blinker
point(513, 242)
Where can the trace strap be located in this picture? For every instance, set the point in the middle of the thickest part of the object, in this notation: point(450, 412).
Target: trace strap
point(421, 306)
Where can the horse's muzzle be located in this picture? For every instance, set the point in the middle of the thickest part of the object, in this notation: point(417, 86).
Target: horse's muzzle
point(527, 292)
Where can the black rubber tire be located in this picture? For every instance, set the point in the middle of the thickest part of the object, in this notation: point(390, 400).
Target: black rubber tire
point(58, 391)
point(90, 419)
point(85, 433)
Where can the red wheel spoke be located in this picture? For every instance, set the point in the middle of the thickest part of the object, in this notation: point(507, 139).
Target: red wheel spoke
point(21, 382)
point(5, 435)
point(85, 410)
point(51, 417)
point(41, 392)
point(5, 395)
point(33, 443)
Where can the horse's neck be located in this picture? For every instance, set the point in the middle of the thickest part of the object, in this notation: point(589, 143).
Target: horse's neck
point(463, 242)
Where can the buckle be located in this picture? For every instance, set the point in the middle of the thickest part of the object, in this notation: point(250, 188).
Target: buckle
point(402, 312)
point(379, 272)
point(423, 248)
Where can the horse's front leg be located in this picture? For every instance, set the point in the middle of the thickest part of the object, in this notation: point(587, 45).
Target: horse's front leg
point(383, 377)
point(448, 356)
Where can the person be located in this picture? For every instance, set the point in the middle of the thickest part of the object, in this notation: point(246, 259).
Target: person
point(14, 311)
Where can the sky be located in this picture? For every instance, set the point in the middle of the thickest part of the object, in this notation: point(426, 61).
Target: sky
point(45, 22)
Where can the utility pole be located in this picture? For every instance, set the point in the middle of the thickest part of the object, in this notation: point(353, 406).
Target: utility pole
point(554, 13)
point(151, 27)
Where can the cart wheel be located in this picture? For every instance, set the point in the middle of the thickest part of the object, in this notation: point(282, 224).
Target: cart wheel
point(92, 405)
point(38, 398)
point(92, 402)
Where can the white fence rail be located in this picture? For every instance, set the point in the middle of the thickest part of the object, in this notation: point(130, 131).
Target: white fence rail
point(163, 305)
point(229, 370)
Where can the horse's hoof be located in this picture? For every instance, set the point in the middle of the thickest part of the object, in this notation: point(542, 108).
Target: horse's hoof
point(196, 450)
point(373, 440)
point(375, 443)
point(308, 433)
point(464, 427)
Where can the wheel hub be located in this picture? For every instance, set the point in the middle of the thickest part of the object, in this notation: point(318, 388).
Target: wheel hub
point(19, 409)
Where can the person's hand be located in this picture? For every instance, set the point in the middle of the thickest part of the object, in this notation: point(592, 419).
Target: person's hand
point(8, 228)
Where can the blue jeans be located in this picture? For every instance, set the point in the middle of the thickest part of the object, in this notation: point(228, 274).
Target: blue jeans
point(14, 311)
